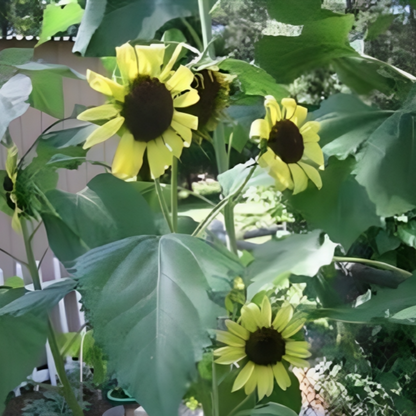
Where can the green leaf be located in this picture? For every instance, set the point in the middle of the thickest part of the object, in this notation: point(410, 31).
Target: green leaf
point(346, 123)
point(108, 210)
point(100, 31)
point(382, 23)
point(387, 165)
point(341, 208)
point(149, 301)
point(407, 233)
point(10, 57)
point(300, 254)
point(93, 356)
point(23, 328)
point(322, 41)
point(253, 80)
point(14, 282)
point(270, 409)
point(58, 19)
point(13, 96)
point(384, 305)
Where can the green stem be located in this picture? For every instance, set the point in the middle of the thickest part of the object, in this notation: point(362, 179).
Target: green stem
point(215, 399)
point(162, 203)
point(34, 272)
point(174, 194)
point(374, 263)
point(206, 26)
point(193, 33)
point(230, 227)
point(220, 151)
point(202, 198)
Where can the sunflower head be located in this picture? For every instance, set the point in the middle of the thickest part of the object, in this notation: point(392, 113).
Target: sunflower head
point(213, 88)
point(293, 153)
point(266, 343)
point(143, 109)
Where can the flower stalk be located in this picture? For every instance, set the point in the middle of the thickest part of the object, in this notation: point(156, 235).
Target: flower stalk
point(163, 205)
point(174, 194)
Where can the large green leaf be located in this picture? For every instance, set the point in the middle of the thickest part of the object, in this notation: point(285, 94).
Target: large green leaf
point(149, 301)
point(386, 304)
point(346, 123)
point(108, 210)
point(13, 96)
point(300, 254)
point(321, 41)
point(58, 19)
point(23, 329)
point(341, 208)
point(270, 409)
point(253, 80)
point(387, 163)
point(100, 31)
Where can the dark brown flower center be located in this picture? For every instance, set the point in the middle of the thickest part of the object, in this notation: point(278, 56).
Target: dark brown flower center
point(286, 141)
point(265, 346)
point(148, 109)
point(208, 87)
point(8, 187)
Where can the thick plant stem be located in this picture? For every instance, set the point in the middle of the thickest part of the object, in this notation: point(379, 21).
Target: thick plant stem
point(162, 203)
point(229, 226)
point(377, 264)
point(206, 26)
point(215, 398)
point(174, 194)
point(193, 33)
point(34, 272)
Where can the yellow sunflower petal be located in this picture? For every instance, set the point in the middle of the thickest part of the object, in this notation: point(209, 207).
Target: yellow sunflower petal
point(299, 354)
point(184, 132)
point(300, 180)
point(297, 362)
point(244, 376)
point(273, 113)
point(293, 328)
point(271, 384)
point(251, 317)
point(168, 67)
point(237, 329)
point(104, 132)
point(187, 120)
point(173, 141)
point(185, 100)
point(230, 339)
point(127, 63)
point(294, 112)
point(231, 357)
point(129, 157)
point(106, 86)
point(16, 225)
point(150, 59)
point(103, 112)
point(277, 169)
point(159, 157)
point(297, 345)
point(264, 376)
point(259, 128)
point(266, 312)
point(251, 383)
point(310, 127)
point(314, 153)
point(283, 317)
point(309, 135)
point(181, 80)
point(281, 376)
point(312, 173)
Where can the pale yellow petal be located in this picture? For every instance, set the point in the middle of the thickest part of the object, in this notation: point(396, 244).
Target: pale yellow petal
point(150, 59)
point(310, 137)
point(294, 112)
point(173, 142)
point(168, 67)
point(104, 132)
point(264, 375)
point(231, 357)
point(277, 169)
point(300, 180)
point(187, 120)
point(314, 153)
point(251, 317)
point(299, 354)
point(310, 127)
point(185, 100)
point(244, 376)
point(259, 128)
point(297, 345)
point(293, 328)
point(106, 86)
point(312, 173)
point(183, 131)
point(103, 112)
point(251, 383)
point(224, 350)
point(129, 157)
point(127, 63)
point(281, 376)
point(266, 312)
point(230, 339)
point(237, 329)
point(181, 80)
point(283, 317)
point(159, 157)
point(273, 113)
point(16, 225)
point(297, 362)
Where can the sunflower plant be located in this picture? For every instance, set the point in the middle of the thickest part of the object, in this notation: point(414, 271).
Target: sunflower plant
point(186, 307)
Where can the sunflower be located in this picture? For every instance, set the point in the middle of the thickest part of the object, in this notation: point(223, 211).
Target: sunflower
point(292, 145)
point(213, 88)
point(266, 344)
point(142, 109)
